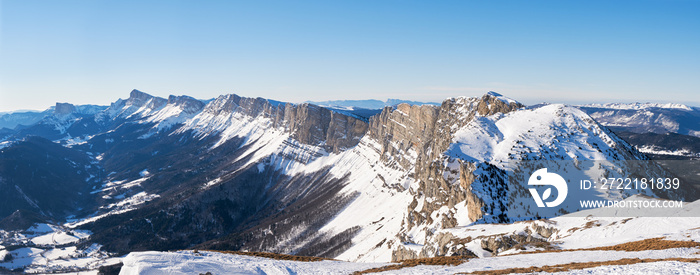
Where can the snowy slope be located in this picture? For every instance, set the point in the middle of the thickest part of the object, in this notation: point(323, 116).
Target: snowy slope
point(504, 141)
point(381, 197)
point(574, 234)
point(383, 189)
point(187, 262)
point(138, 105)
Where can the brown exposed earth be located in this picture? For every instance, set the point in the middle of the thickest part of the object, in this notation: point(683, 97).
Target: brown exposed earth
point(452, 260)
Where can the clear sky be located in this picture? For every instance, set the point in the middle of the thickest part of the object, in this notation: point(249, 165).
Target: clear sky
point(556, 51)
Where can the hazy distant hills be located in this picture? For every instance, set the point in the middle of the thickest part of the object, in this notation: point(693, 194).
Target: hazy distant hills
point(367, 104)
point(22, 119)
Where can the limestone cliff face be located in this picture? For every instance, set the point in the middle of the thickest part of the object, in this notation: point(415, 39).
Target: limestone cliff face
point(404, 132)
point(427, 130)
point(64, 109)
point(307, 123)
point(415, 138)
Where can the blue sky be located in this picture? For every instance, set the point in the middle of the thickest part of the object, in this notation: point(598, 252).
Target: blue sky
point(533, 51)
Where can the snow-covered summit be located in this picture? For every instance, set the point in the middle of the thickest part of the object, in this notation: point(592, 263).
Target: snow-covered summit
point(501, 97)
point(139, 104)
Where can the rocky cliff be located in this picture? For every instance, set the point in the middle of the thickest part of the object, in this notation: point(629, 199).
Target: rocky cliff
point(462, 154)
point(415, 137)
point(64, 109)
point(307, 123)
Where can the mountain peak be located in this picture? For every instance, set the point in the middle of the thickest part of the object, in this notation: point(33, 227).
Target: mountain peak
point(137, 93)
point(505, 99)
point(64, 109)
point(139, 98)
point(492, 93)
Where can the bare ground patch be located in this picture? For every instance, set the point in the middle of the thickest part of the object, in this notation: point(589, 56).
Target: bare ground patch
point(647, 244)
point(451, 260)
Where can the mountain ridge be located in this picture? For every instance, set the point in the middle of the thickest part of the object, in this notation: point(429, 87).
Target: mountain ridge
point(256, 174)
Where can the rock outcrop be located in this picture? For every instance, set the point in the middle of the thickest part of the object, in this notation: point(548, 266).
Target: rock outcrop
point(415, 138)
point(141, 99)
point(307, 123)
point(64, 109)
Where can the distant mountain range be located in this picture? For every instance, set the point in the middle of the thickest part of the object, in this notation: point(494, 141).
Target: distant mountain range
point(647, 117)
point(658, 129)
point(367, 104)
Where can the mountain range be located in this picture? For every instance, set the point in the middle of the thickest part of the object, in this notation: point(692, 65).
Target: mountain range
point(252, 174)
point(660, 130)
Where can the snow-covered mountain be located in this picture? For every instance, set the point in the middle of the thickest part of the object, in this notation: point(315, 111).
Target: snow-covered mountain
point(254, 174)
point(647, 117)
point(661, 130)
point(11, 120)
point(63, 120)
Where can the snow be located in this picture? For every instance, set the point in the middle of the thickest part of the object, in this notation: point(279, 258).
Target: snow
point(462, 214)
point(60, 238)
point(73, 141)
point(186, 262)
point(492, 138)
point(382, 190)
point(6, 144)
point(663, 267)
point(61, 260)
point(42, 228)
point(659, 151)
point(501, 97)
point(542, 259)
point(144, 173)
point(211, 183)
point(23, 257)
point(125, 205)
point(377, 209)
point(639, 106)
